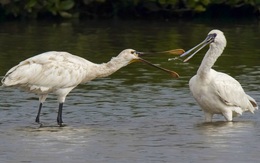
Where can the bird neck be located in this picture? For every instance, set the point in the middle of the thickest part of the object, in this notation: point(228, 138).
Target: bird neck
point(106, 69)
point(208, 61)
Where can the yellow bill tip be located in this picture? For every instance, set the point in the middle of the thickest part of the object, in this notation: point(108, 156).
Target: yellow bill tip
point(174, 74)
point(175, 51)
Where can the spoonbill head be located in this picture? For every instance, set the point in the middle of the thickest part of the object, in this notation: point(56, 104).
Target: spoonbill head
point(130, 56)
point(215, 38)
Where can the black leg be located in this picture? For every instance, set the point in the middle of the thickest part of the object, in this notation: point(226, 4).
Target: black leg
point(38, 115)
point(59, 117)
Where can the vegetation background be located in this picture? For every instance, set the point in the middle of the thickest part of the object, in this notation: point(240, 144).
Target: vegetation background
point(142, 9)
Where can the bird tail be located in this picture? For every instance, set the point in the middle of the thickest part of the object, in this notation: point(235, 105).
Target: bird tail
point(10, 79)
point(253, 103)
point(4, 83)
point(2, 80)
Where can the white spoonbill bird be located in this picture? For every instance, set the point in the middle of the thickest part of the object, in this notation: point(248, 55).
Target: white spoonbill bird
point(217, 92)
point(60, 72)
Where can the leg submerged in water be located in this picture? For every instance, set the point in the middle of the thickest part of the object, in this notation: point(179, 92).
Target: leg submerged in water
point(59, 117)
point(37, 120)
point(42, 98)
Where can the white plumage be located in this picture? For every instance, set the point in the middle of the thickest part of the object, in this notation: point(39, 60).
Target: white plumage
point(216, 92)
point(60, 72)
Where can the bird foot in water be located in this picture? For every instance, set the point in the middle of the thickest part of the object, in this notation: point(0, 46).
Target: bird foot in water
point(62, 124)
point(37, 119)
point(40, 124)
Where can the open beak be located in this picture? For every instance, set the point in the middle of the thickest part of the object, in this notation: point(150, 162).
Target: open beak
point(209, 39)
point(172, 73)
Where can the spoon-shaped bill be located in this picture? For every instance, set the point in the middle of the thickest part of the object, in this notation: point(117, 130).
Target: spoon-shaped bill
point(174, 52)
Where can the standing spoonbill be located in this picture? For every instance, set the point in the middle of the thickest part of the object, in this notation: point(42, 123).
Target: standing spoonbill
point(60, 72)
point(217, 92)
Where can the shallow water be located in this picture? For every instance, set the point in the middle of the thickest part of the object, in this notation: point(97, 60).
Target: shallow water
point(138, 114)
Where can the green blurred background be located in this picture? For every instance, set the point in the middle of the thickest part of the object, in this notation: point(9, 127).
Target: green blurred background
point(142, 9)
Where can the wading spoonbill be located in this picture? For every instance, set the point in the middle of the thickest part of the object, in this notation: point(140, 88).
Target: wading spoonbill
point(217, 92)
point(60, 72)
